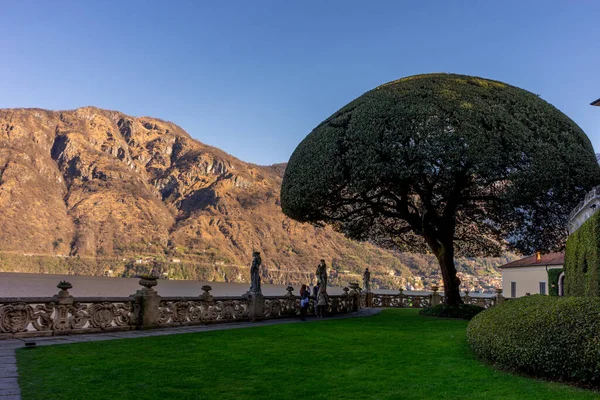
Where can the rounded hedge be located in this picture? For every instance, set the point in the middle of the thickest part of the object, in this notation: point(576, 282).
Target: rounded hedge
point(550, 337)
point(462, 311)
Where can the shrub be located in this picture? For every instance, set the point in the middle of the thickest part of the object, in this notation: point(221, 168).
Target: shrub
point(551, 337)
point(463, 311)
point(582, 260)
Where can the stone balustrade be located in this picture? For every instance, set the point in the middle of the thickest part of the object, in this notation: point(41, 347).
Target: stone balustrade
point(48, 316)
point(584, 210)
point(64, 314)
point(402, 300)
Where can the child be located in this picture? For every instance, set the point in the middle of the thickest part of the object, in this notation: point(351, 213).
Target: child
point(304, 301)
point(322, 301)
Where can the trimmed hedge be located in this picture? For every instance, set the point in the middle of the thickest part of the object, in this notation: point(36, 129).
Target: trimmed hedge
point(582, 261)
point(463, 311)
point(551, 337)
point(553, 275)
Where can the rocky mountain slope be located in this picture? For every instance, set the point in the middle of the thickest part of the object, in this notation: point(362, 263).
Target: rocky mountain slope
point(101, 184)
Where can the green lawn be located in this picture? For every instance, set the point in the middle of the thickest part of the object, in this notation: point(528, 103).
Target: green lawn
point(395, 355)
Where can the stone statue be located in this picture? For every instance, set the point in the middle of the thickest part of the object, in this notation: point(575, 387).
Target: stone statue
point(367, 280)
point(255, 274)
point(322, 275)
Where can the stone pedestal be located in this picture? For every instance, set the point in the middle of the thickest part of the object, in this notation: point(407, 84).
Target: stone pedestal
point(435, 296)
point(148, 301)
point(368, 298)
point(64, 303)
point(499, 299)
point(256, 305)
point(206, 296)
point(354, 296)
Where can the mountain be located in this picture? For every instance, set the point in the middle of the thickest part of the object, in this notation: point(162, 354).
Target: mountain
point(91, 190)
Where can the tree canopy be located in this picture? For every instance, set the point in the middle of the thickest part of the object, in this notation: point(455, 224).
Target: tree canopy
point(452, 164)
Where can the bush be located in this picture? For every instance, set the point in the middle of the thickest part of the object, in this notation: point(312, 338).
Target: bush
point(551, 337)
point(582, 260)
point(463, 311)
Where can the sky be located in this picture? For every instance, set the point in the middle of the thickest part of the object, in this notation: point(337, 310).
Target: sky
point(255, 77)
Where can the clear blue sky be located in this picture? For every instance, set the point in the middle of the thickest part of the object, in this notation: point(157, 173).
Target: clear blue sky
point(254, 77)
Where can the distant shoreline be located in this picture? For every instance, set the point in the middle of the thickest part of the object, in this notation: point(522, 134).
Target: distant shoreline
point(18, 284)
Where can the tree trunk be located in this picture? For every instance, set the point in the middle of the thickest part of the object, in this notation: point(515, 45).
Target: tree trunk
point(445, 256)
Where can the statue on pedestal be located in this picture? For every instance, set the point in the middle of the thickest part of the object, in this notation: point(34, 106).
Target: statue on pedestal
point(321, 274)
point(255, 273)
point(367, 280)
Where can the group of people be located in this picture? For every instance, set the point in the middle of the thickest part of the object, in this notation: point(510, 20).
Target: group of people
point(320, 298)
point(319, 291)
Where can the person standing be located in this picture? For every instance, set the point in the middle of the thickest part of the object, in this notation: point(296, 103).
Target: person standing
point(304, 302)
point(322, 301)
point(315, 295)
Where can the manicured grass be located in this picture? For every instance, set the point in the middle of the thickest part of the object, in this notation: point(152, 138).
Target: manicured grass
point(395, 355)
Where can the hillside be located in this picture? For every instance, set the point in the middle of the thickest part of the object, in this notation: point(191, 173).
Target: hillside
point(100, 189)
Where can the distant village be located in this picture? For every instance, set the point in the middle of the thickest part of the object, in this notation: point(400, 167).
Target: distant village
point(469, 282)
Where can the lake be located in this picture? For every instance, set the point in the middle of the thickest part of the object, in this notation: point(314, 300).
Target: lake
point(44, 285)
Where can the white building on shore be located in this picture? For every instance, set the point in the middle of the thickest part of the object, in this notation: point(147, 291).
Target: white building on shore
point(529, 275)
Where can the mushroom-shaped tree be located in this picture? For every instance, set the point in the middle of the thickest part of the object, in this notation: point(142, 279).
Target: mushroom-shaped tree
point(449, 164)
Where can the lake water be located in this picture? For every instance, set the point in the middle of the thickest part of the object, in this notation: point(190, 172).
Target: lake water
point(43, 285)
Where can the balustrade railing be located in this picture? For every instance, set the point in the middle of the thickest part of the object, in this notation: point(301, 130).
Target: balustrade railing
point(402, 300)
point(64, 314)
point(23, 317)
point(174, 311)
point(485, 302)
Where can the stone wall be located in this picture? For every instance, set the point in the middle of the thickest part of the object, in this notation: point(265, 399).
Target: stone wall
point(584, 210)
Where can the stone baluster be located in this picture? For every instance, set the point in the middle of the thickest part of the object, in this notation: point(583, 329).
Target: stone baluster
point(290, 302)
point(498, 299)
point(467, 298)
point(435, 296)
point(416, 302)
point(148, 301)
point(385, 300)
point(290, 292)
point(368, 296)
point(354, 296)
point(401, 296)
point(256, 305)
point(206, 296)
point(347, 301)
point(64, 305)
point(206, 299)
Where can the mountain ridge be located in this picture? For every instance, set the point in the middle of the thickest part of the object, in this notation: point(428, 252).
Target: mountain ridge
point(99, 183)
